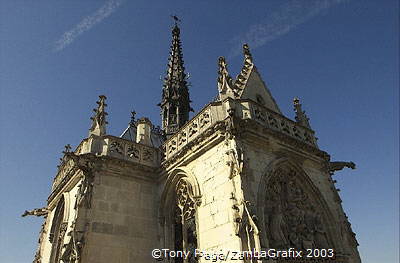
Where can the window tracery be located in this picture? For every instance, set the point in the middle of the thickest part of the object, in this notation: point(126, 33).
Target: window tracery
point(185, 221)
point(57, 232)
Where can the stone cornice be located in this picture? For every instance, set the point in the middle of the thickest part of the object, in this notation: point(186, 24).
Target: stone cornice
point(89, 163)
point(256, 128)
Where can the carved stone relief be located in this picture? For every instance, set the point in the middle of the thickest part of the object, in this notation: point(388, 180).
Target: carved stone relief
point(148, 155)
point(193, 128)
point(292, 217)
point(116, 147)
point(133, 152)
point(204, 119)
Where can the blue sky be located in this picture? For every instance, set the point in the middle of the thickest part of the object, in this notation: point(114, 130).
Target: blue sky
point(339, 57)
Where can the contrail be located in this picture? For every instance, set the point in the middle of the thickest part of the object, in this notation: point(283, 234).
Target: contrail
point(281, 22)
point(86, 24)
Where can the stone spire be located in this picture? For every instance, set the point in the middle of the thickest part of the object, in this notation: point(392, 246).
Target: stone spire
point(175, 102)
point(99, 119)
point(301, 116)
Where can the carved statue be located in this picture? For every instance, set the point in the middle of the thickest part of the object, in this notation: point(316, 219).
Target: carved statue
point(84, 195)
point(36, 212)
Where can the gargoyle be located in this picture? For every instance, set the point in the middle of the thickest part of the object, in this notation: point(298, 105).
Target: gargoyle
point(337, 166)
point(36, 212)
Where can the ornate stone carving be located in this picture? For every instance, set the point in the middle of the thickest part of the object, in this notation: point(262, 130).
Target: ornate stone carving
point(84, 195)
point(185, 219)
point(36, 212)
point(182, 138)
point(148, 155)
point(225, 82)
point(99, 119)
point(236, 161)
point(292, 217)
point(116, 147)
point(193, 128)
point(185, 201)
point(133, 152)
point(72, 250)
point(337, 166)
point(205, 118)
point(301, 116)
point(58, 242)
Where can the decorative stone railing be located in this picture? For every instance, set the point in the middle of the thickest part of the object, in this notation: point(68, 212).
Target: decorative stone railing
point(278, 122)
point(130, 151)
point(244, 109)
point(109, 146)
point(203, 120)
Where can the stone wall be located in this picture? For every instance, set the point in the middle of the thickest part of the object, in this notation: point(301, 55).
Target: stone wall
point(123, 226)
point(215, 217)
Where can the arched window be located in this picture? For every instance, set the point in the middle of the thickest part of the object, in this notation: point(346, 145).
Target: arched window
point(57, 232)
point(185, 221)
point(179, 202)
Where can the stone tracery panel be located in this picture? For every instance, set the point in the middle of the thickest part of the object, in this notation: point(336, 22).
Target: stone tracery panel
point(292, 215)
point(185, 221)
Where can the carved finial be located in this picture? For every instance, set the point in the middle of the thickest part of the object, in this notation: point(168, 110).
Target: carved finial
point(247, 55)
point(67, 148)
point(301, 116)
point(99, 119)
point(132, 122)
point(176, 19)
point(224, 79)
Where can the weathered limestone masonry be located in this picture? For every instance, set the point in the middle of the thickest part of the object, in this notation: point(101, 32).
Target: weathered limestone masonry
point(238, 176)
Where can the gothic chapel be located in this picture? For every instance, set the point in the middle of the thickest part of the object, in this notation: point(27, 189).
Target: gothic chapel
point(238, 176)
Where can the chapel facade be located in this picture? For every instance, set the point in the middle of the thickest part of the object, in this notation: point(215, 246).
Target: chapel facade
point(238, 176)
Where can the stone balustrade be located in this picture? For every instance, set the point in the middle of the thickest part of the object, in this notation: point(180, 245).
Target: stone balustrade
point(130, 151)
point(245, 109)
point(203, 120)
point(278, 122)
point(108, 145)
